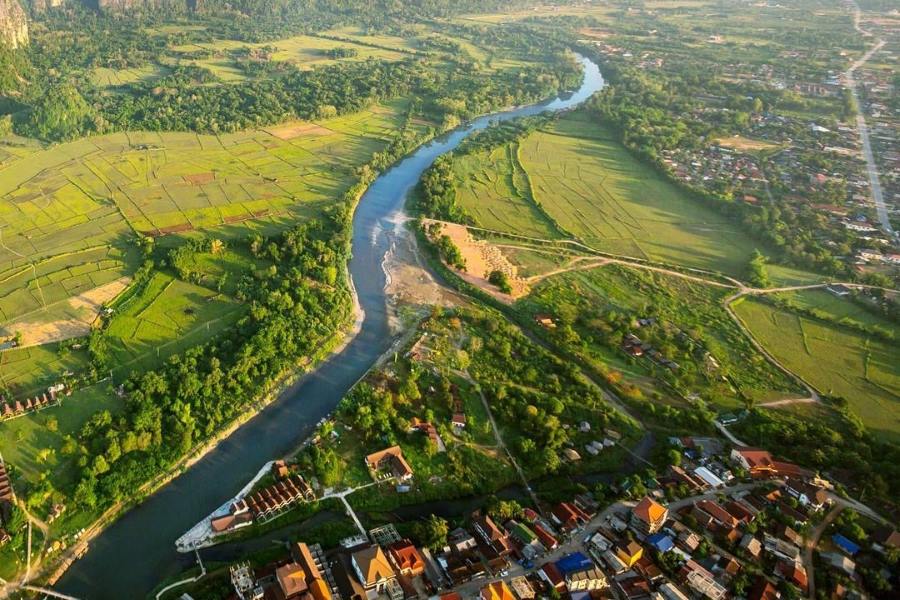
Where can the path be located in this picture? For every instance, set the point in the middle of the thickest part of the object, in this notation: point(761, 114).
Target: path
point(342, 496)
point(809, 547)
point(871, 167)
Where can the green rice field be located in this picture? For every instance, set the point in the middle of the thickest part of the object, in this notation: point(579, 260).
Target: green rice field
point(837, 361)
point(69, 213)
point(574, 180)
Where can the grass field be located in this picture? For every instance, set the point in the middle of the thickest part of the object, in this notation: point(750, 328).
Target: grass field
point(70, 212)
point(574, 180)
point(838, 361)
point(168, 316)
point(841, 309)
point(493, 188)
point(29, 444)
point(590, 298)
point(595, 189)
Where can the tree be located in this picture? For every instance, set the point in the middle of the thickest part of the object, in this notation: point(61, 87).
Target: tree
point(60, 113)
point(432, 532)
point(756, 270)
point(500, 279)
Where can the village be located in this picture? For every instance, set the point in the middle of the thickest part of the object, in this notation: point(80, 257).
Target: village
point(722, 523)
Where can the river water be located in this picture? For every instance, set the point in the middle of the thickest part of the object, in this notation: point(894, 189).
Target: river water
point(138, 551)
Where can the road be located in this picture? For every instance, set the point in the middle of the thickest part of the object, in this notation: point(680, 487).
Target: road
point(809, 547)
point(871, 166)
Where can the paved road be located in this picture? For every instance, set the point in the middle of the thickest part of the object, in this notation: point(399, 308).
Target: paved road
point(809, 547)
point(871, 167)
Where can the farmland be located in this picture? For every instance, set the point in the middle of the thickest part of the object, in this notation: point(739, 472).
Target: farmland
point(837, 361)
point(573, 180)
point(597, 191)
point(71, 212)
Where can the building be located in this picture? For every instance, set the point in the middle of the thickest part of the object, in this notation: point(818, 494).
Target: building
point(373, 570)
point(390, 460)
point(629, 553)
point(245, 584)
point(718, 514)
point(648, 516)
point(792, 572)
point(498, 590)
point(670, 591)
point(580, 573)
point(846, 545)
point(521, 588)
point(756, 461)
point(751, 545)
point(406, 558)
point(568, 516)
point(494, 537)
point(702, 581)
point(763, 590)
point(318, 577)
point(661, 542)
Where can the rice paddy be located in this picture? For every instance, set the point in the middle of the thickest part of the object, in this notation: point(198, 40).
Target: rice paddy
point(836, 360)
point(70, 214)
point(574, 180)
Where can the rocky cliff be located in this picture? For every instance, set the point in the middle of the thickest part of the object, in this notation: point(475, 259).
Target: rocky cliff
point(13, 24)
point(42, 5)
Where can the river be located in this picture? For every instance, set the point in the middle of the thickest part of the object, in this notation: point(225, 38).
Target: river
point(138, 551)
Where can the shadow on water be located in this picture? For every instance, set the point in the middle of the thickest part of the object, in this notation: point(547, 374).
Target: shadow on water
point(138, 550)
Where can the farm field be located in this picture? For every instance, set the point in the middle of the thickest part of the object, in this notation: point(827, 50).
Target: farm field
point(493, 188)
point(304, 51)
point(836, 360)
point(593, 301)
point(70, 212)
point(168, 316)
point(594, 189)
point(840, 309)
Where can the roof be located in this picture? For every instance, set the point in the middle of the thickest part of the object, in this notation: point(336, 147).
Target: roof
point(718, 513)
point(395, 454)
point(649, 511)
point(291, 579)
point(571, 563)
point(373, 565)
point(845, 544)
point(406, 556)
point(757, 458)
point(661, 542)
point(631, 548)
point(763, 590)
point(498, 590)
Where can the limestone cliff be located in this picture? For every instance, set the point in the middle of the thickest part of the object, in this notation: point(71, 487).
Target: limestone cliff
point(13, 24)
point(42, 5)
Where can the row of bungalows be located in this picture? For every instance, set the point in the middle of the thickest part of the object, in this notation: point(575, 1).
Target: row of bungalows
point(6, 497)
point(271, 501)
point(11, 410)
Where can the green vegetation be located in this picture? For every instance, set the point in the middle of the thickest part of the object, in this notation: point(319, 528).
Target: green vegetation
point(571, 179)
point(859, 370)
point(684, 320)
point(537, 400)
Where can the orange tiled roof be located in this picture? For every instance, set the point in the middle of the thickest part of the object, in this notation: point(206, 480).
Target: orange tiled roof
point(649, 511)
point(497, 590)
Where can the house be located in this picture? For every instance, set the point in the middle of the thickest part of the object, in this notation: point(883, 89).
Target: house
point(521, 588)
point(786, 533)
point(458, 420)
point(291, 580)
point(792, 572)
point(806, 494)
point(373, 570)
point(629, 553)
point(756, 461)
point(544, 536)
point(846, 545)
point(494, 537)
point(406, 558)
point(633, 588)
point(390, 460)
point(580, 573)
point(568, 516)
point(498, 590)
point(461, 540)
point(781, 548)
point(751, 545)
point(701, 581)
point(311, 560)
point(887, 538)
point(6, 491)
point(648, 516)
point(545, 320)
point(718, 514)
point(839, 562)
point(661, 542)
point(763, 590)
point(670, 591)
